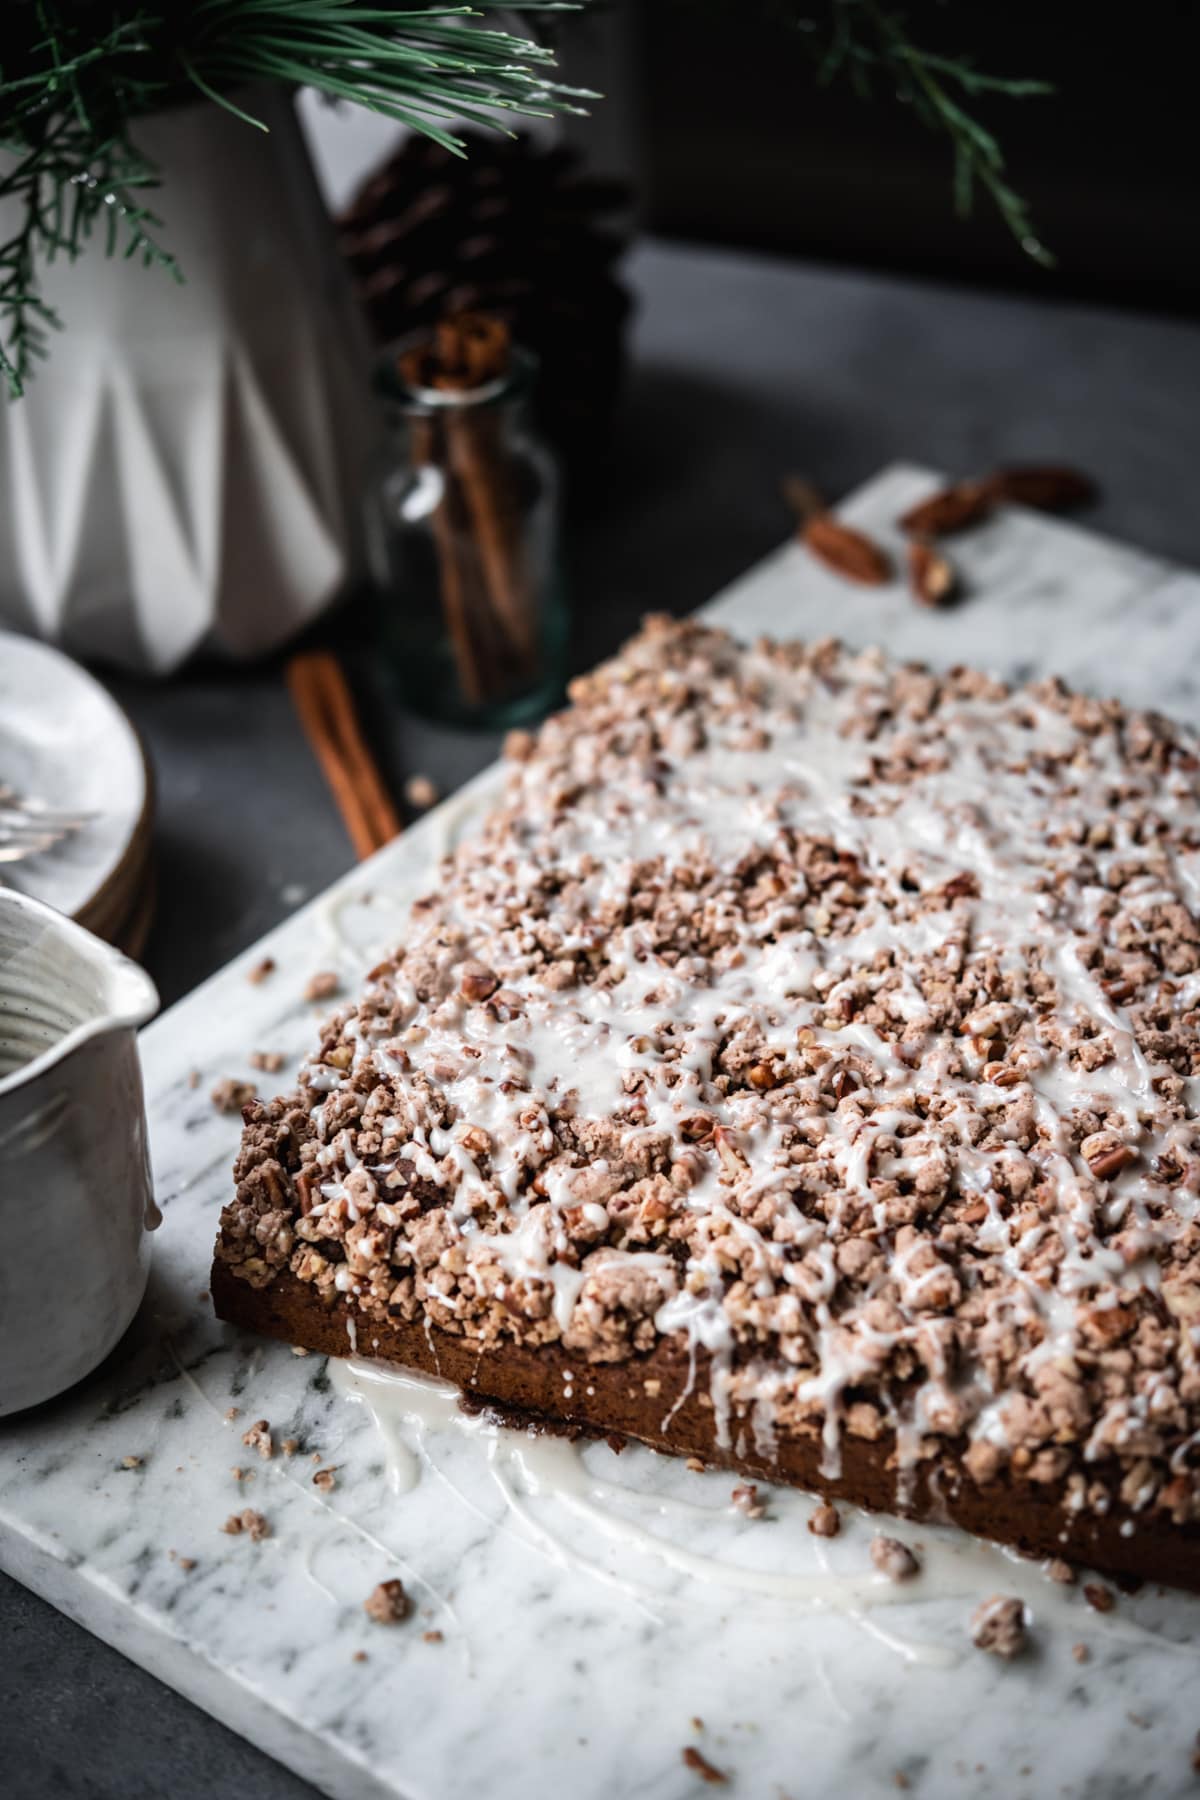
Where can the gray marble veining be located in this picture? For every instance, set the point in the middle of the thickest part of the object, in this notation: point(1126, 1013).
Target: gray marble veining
point(547, 1678)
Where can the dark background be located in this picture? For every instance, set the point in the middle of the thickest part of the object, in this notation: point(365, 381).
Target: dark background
point(737, 143)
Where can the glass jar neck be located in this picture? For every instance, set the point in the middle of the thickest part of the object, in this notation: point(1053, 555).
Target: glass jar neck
point(506, 397)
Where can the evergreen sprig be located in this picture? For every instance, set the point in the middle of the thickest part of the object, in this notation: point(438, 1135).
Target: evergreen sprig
point(76, 75)
point(868, 42)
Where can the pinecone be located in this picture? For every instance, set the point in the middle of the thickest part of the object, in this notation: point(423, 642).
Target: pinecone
point(513, 229)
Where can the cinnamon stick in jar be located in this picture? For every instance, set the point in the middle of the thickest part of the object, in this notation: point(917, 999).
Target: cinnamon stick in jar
point(486, 592)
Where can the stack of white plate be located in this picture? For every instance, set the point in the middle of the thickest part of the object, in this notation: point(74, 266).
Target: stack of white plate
point(65, 742)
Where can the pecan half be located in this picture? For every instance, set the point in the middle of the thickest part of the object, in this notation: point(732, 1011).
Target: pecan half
point(1047, 487)
point(951, 509)
point(846, 551)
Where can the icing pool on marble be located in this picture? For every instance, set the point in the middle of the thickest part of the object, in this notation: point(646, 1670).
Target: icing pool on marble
point(551, 1487)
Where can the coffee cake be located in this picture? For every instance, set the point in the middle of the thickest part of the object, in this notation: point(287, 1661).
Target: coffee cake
point(797, 1070)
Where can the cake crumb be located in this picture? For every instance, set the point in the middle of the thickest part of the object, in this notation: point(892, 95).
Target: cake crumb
point(900, 1779)
point(746, 1500)
point(359, 1656)
point(270, 1061)
point(998, 1626)
point(1099, 1598)
point(652, 1386)
point(186, 1563)
point(695, 1465)
point(131, 1462)
point(290, 1446)
point(893, 1559)
point(1081, 1653)
point(826, 1521)
point(1196, 1754)
point(299, 1350)
point(1061, 1571)
point(238, 1473)
point(248, 1521)
point(431, 1637)
point(322, 986)
point(700, 1765)
point(194, 1078)
point(233, 1412)
point(260, 971)
point(326, 1479)
point(421, 792)
point(230, 1095)
point(387, 1603)
point(258, 1437)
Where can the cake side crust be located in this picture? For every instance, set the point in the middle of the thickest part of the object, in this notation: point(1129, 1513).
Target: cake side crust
point(527, 1384)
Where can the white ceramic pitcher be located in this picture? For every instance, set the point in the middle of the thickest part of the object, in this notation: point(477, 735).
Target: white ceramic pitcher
point(75, 1192)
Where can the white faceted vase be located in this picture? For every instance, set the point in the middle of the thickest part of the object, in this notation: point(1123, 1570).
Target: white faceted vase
point(185, 469)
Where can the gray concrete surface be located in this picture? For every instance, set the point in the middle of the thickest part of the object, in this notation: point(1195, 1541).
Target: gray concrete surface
point(744, 368)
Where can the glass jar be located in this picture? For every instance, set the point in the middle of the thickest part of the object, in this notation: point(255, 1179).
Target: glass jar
point(463, 548)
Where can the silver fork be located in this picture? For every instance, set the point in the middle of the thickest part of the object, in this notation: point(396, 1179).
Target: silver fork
point(27, 826)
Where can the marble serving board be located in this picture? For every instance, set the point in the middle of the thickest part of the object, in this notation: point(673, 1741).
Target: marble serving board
point(574, 1657)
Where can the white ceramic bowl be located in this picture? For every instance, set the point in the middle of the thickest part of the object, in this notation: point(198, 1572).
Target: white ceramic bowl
point(75, 1192)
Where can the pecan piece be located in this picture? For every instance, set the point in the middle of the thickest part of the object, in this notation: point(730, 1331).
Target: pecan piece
point(998, 1626)
point(1047, 487)
point(951, 509)
point(847, 552)
point(700, 1765)
point(932, 577)
point(387, 1603)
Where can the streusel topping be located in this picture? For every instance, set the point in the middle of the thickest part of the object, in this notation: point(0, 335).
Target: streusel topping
point(836, 1016)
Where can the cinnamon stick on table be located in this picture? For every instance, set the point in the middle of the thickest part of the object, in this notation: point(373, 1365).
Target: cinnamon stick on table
point(322, 698)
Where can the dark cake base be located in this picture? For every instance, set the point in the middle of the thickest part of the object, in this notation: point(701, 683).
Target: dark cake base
point(528, 1382)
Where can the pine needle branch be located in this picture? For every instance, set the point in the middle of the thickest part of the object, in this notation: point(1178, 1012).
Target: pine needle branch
point(867, 42)
point(76, 75)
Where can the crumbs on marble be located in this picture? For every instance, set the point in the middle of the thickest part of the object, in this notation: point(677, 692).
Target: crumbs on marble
point(326, 1479)
point(387, 1603)
point(1059, 1570)
point(431, 1637)
point(359, 1656)
point(323, 985)
point(998, 1626)
point(892, 1558)
point(289, 1446)
point(248, 1521)
point(269, 1061)
point(230, 1095)
point(132, 1462)
point(747, 1500)
point(421, 792)
point(194, 1078)
point(1081, 1653)
point(260, 971)
point(258, 1437)
point(186, 1563)
point(700, 1765)
point(232, 1412)
point(695, 1465)
point(900, 1779)
point(826, 1521)
point(299, 1350)
point(1100, 1598)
